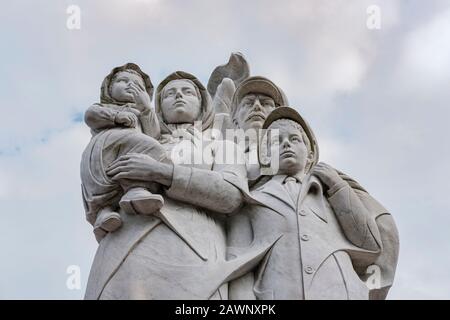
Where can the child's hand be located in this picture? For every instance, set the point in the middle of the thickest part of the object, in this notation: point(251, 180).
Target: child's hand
point(127, 119)
point(326, 174)
point(141, 97)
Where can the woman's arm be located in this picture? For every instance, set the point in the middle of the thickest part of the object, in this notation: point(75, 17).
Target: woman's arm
point(218, 190)
point(213, 190)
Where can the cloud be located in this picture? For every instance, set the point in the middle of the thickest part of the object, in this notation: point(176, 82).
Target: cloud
point(44, 228)
point(427, 54)
point(376, 99)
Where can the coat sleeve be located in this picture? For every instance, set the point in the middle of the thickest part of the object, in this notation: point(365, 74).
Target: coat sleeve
point(98, 117)
point(358, 225)
point(387, 260)
point(150, 124)
point(220, 190)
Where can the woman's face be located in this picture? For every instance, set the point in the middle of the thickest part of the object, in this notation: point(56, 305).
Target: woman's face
point(180, 102)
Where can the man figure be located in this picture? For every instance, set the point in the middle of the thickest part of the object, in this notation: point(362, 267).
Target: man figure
point(318, 224)
point(252, 102)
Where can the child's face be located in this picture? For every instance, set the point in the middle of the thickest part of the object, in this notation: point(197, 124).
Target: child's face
point(293, 152)
point(119, 88)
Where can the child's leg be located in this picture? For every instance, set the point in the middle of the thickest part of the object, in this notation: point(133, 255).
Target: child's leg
point(139, 199)
point(107, 221)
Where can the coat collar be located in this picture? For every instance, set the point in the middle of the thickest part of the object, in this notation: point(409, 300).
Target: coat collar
point(311, 195)
point(274, 188)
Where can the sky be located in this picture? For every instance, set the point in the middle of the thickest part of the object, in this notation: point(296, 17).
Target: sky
point(377, 100)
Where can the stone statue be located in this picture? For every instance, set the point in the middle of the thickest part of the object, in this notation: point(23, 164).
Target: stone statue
point(241, 113)
point(319, 225)
point(180, 252)
point(122, 123)
point(176, 218)
point(235, 71)
point(252, 102)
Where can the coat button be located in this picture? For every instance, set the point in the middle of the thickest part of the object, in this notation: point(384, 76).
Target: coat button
point(305, 237)
point(309, 270)
point(303, 212)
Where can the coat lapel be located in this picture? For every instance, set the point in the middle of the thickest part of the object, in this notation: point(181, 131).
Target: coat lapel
point(312, 197)
point(274, 189)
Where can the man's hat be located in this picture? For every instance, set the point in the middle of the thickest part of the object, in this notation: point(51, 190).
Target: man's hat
point(291, 114)
point(257, 84)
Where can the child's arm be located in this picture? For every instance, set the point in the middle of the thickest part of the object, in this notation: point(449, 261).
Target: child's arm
point(98, 117)
point(353, 217)
point(148, 119)
point(150, 123)
point(355, 220)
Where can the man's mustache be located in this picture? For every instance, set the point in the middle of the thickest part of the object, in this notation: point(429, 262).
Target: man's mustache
point(256, 114)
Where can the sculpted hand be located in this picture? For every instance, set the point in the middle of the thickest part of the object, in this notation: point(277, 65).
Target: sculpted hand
point(141, 97)
point(127, 119)
point(327, 174)
point(140, 167)
point(224, 95)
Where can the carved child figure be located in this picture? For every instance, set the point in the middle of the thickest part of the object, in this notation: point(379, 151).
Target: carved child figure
point(322, 232)
point(122, 123)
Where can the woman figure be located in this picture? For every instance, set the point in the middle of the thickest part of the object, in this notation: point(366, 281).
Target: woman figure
point(180, 252)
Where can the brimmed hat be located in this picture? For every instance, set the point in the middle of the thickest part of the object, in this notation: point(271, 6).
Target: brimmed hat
point(291, 114)
point(258, 84)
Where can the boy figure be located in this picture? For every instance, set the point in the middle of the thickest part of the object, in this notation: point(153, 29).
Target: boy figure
point(323, 235)
point(122, 123)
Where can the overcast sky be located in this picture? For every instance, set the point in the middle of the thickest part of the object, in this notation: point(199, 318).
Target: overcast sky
point(377, 99)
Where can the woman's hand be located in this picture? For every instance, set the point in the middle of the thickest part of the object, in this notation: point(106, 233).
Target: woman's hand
point(140, 167)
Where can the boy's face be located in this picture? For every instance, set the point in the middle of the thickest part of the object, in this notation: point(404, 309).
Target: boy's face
point(293, 152)
point(119, 88)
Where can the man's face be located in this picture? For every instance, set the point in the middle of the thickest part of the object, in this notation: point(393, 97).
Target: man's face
point(253, 110)
point(119, 88)
point(293, 153)
point(180, 102)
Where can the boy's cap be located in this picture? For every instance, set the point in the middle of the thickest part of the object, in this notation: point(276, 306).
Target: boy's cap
point(290, 113)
